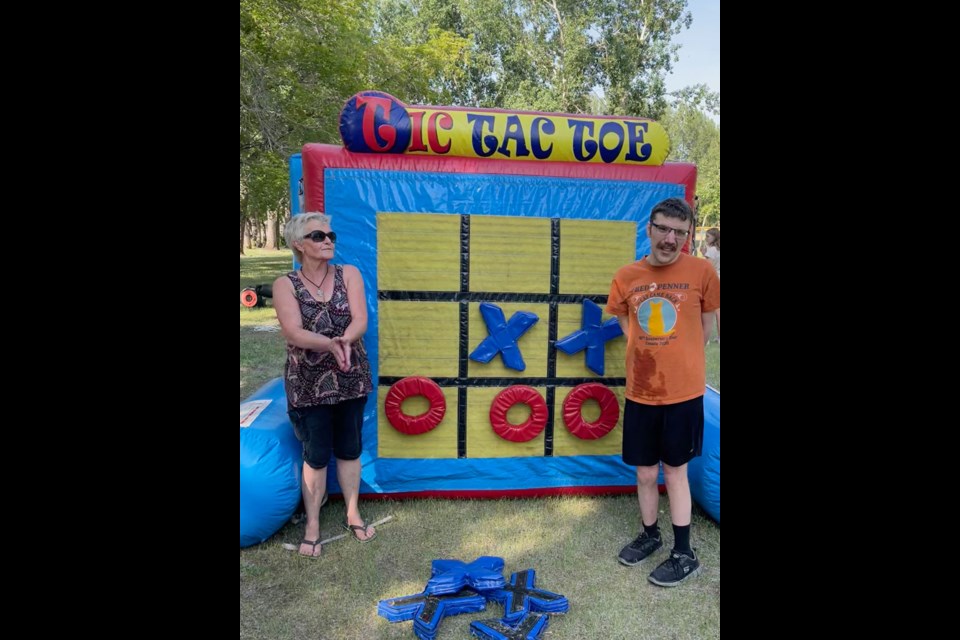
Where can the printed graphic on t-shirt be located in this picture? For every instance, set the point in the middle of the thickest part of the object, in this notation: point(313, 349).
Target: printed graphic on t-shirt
point(657, 312)
point(657, 317)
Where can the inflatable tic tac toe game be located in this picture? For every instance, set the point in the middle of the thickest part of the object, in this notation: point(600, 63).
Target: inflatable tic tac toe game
point(478, 268)
point(487, 241)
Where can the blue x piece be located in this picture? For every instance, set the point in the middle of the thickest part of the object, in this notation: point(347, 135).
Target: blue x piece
point(449, 576)
point(591, 336)
point(520, 597)
point(429, 610)
point(529, 627)
point(503, 336)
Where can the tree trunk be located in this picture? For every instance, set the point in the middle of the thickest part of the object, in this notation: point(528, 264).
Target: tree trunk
point(271, 239)
point(256, 234)
point(242, 225)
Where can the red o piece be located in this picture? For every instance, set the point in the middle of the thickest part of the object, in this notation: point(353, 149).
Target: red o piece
point(510, 396)
point(248, 298)
point(573, 416)
point(408, 388)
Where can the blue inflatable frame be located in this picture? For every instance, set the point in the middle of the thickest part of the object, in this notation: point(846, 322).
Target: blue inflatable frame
point(355, 188)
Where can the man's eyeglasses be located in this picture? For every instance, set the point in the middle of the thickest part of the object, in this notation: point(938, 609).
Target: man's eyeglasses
point(320, 236)
point(664, 230)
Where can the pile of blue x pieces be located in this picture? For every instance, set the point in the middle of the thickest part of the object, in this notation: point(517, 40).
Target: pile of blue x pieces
point(457, 587)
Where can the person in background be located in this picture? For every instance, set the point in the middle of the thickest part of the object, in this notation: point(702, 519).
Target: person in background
point(323, 316)
point(710, 249)
point(665, 304)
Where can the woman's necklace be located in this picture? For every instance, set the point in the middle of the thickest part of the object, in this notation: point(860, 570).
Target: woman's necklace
point(318, 286)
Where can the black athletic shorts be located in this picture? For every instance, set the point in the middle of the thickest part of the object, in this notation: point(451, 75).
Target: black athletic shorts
point(672, 433)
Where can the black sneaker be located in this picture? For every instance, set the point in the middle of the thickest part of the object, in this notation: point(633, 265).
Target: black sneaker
point(675, 569)
point(636, 551)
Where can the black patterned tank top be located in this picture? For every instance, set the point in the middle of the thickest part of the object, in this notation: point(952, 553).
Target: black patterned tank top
point(313, 378)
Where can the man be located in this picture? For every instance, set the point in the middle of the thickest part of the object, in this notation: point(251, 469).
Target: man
point(665, 304)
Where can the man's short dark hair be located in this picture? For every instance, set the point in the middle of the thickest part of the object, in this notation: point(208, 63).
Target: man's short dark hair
point(673, 208)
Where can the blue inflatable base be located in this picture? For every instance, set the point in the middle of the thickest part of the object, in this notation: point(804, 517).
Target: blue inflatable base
point(271, 460)
point(704, 470)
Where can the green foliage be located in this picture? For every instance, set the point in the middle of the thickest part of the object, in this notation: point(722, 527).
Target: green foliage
point(297, 61)
point(300, 60)
point(263, 182)
point(480, 36)
point(709, 185)
point(293, 79)
point(636, 52)
point(424, 68)
point(699, 97)
point(695, 137)
point(530, 54)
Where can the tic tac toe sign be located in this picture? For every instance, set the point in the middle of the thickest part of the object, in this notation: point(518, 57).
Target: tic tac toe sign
point(487, 241)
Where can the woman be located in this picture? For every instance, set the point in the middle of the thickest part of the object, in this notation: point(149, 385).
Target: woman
point(711, 248)
point(711, 251)
point(323, 316)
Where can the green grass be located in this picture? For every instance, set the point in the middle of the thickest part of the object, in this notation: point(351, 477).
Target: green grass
point(261, 352)
point(261, 266)
point(261, 359)
point(713, 365)
point(572, 542)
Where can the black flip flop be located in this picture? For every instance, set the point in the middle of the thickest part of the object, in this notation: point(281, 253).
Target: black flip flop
point(312, 543)
point(353, 528)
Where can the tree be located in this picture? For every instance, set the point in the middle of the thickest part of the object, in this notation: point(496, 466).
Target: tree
point(635, 52)
point(299, 59)
point(695, 137)
point(545, 55)
point(426, 53)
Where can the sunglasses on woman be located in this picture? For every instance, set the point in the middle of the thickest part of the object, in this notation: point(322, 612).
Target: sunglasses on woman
point(320, 236)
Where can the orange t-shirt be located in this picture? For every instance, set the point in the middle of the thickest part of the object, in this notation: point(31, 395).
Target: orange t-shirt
point(665, 359)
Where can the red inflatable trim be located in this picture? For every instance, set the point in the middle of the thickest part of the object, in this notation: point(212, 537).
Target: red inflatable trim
point(317, 157)
point(609, 411)
point(408, 388)
point(248, 298)
point(510, 396)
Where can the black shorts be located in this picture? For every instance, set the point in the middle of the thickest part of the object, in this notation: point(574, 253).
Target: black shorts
point(329, 427)
point(672, 433)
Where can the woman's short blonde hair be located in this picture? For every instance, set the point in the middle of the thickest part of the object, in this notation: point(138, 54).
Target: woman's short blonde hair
point(294, 231)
